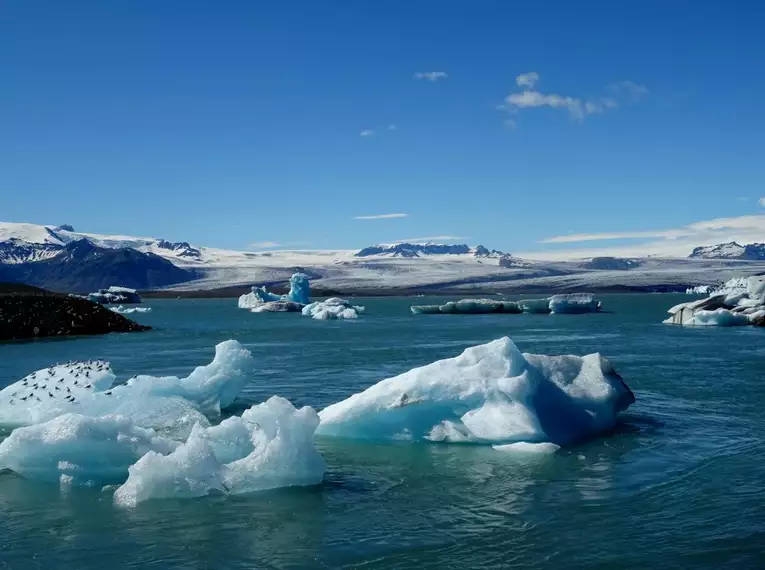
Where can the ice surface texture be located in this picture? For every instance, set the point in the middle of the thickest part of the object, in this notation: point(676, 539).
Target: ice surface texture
point(269, 446)
point(738, 302)
point(332, 308)
point(300, 292)
point(489, 394)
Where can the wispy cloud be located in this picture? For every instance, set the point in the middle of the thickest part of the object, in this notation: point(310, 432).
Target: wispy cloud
point(635, 90)
point(576, 107)
point(762, 202)
point(264, 245)
point(392, 127)
point(381, 216)
point(527, 79)
point(430, 238)
point(431, 75)
point(665, 242)
point(367, 133)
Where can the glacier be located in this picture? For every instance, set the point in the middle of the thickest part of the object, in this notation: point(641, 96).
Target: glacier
point(492, 394)
point(332, 309)
point(738, 302)
point(300, 292)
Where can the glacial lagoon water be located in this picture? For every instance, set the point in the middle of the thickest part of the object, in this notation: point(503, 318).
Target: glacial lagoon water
point(680, 483)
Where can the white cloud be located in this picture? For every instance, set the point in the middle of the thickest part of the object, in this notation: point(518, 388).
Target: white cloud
point(577, 107)
point(635, 90)
point(263, 245)
point(677, 242)
point(367, 133)
point(381, 216)
point(430, 238)
point(762, 202)
point(527, 79)
point(392, 127)
point(431, 75)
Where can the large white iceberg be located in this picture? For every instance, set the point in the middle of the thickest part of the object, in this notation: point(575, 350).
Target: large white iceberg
point(490, 393)
point(574, 303)
point(80, 450)
point(86, 388)
point(269, 446)
point(300, 292)
point(332, 308)
point(738, 302)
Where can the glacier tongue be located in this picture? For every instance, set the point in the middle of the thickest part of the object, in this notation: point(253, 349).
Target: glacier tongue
point(490, 393)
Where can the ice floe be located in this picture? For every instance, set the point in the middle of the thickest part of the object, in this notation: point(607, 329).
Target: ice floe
point(490, 393)
point(128, 310)
point(738, 302)
point(332, 308)
point(574, 303)
point(114, 295)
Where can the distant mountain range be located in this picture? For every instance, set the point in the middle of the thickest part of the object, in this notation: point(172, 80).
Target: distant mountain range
point(62, 259)
point(82, 267)
point(731, 250)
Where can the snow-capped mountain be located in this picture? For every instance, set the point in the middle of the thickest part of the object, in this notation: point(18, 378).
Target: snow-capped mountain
point(731, 250)
point(404, 267)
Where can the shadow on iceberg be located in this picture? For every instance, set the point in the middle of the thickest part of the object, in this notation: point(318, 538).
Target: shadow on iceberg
point(490, 394)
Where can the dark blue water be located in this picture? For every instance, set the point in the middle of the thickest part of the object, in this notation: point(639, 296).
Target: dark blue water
point(679, 484)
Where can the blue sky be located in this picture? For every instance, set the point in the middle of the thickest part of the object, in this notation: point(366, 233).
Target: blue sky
point(504, 123)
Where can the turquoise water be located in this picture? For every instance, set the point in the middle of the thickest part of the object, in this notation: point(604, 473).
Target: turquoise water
point(679, 484)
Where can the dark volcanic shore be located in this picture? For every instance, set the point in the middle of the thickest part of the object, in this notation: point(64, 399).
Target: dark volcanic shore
point(28, 312)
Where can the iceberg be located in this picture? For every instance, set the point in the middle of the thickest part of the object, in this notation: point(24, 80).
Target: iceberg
point(737, 302)
point(574, 303)
point(80, 450)
point(300, 292)
point(269, 446)
point(718, 318)
point(331, 309)
point(278, 307)
point(114, 295)
point(166, 403)
point(489, 394)
point(468, 307)
point(128, 310)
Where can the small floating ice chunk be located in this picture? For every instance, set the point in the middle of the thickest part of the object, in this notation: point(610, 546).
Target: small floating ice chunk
point(269, 446)
point(127, 310)
point(332, 308)
point(490, 393)
point(574, 303)
point(528, 448)
point(79, 450)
